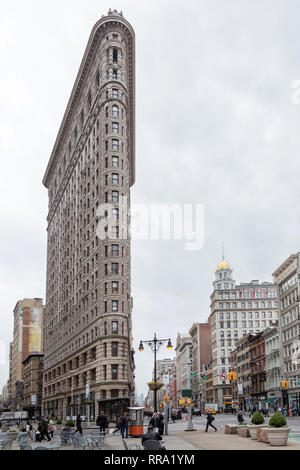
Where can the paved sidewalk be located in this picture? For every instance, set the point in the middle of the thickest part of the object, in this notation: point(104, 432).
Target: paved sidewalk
point(220, 441)
point(193, 441)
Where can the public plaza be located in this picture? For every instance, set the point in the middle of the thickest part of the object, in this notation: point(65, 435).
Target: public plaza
point(177, 439)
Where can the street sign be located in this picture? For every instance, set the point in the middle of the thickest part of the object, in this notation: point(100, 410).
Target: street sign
point(186, 393)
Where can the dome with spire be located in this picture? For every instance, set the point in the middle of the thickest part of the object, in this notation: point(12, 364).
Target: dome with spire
point(223, 265)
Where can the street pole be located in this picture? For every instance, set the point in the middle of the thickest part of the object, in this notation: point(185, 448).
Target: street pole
point(166, 420)
point(190, 421)
point(155, 379)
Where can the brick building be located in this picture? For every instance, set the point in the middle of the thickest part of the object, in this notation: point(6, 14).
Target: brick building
point(33, 384)
point(258, 374)
point(201, 359)
point(27, 339)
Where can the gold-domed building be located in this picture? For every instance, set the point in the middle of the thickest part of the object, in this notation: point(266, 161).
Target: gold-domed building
point(224, 279)
point(223, 265)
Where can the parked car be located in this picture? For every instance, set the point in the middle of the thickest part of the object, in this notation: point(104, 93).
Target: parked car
point(196, 412)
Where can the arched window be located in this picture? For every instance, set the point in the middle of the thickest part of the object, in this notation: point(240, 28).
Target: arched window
point(115, 111)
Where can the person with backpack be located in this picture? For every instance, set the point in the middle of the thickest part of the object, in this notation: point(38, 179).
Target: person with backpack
point(210, 419)
point(78, 424)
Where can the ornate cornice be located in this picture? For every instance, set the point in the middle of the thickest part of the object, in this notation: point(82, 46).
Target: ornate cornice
point(90, 52)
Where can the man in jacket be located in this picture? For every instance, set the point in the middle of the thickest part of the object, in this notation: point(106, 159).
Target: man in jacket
point(43, 428)
point(102, 422)
point(210, 419)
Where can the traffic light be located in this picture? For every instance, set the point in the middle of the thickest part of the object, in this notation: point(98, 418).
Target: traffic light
point(161, 405)
point(167, 399)
point(285, 384)
point(232, 376)
point(189, 401)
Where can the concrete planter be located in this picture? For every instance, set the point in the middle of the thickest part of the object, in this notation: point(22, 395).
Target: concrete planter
point(278, 436)
point(243, 431)
point(12, 435)
point(262, 435)
point(253, 428)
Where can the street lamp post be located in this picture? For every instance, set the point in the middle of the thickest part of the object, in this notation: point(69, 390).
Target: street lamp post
point(87, 392)
point(155, 345)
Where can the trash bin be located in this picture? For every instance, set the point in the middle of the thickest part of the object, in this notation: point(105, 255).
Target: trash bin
point(136, 423)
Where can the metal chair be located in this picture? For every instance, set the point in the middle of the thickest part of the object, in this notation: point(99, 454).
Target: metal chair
point(98, 439)
point(80, 442)
point(6, 444)
point(152, 445)
point(130, 446)
point(65, 437)
point(41, 448)
point(27, 447)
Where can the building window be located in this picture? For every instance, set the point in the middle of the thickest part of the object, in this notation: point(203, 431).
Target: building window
point(115, 178)
point(114, 349)
point(115, 128)
point(115, 327)
point(115, 287)
point(115, 250)
point(115, 162)
point(115, 305)
point(115, 144)
point(115, 268)
point(115, 93)
point(115, 111)
point(115, 196)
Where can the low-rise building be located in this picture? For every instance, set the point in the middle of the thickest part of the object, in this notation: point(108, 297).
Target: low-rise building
point(201, 358)
point(287, 277)
point(33, 384)
point(258, 374)
point(183, 365)
point(272, 367)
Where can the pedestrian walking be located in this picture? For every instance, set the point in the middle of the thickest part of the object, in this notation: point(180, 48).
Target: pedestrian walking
point(43, 429)
point(102, 422)
point(52, 427)
point(210, 419)
point(127, 419)
point(123, 426)
point(78, 424)
point(118, 424)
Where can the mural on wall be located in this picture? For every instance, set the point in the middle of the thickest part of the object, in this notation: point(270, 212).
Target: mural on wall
point(35, 330)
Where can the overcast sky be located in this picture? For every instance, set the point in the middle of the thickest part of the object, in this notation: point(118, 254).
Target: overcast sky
point(215, 125)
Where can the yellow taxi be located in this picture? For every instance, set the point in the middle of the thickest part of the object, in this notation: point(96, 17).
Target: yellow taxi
point(210, 410)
